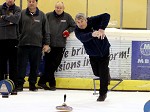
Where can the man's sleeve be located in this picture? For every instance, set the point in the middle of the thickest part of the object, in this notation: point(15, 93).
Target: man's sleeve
point(100, 21)
point(46, 32)
point(72, 24)
point(12, 18)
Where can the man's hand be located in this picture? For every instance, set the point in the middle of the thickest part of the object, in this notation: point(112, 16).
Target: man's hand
point(66, 34)
point(96, 34)
point(46, 48)
point(101, 33)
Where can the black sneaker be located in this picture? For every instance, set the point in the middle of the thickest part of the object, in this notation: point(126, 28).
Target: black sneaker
point(14, 92)
point(102, 98)
point(19, 88)
point(43, 86)
point(32, 87)
point(53, 88)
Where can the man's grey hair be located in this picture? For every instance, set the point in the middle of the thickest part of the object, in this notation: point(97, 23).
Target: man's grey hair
point(80, 16)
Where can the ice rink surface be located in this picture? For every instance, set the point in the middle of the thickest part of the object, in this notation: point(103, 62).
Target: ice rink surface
point(80, 100)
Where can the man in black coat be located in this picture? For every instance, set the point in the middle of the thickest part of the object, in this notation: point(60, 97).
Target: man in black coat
point(91, 32)
point(33, 39)
point(9, 19)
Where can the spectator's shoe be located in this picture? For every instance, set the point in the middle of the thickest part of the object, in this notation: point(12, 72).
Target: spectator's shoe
point(53, 88)
point(102, 98)
point(43, 86)
point(19, 88)
point(14, 92)
point(32, 87)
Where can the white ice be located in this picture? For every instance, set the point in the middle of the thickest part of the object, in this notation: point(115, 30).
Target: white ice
point(80, 100)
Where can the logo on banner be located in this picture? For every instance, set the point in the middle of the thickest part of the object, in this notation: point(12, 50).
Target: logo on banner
point(140, 60)
point(145, 48)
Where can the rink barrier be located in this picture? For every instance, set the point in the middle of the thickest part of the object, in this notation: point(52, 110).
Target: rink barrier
point(87, 84)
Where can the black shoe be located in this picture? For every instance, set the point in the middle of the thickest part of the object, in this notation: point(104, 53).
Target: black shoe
point(43, 86)
point(53, 88)
point(32, 87)
point(19, 88)
point(102, 98)
point(14, 92)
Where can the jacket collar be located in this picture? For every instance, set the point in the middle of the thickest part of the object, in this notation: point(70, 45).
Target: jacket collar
point(56, 15)
point(10, 8)
point(29, 13)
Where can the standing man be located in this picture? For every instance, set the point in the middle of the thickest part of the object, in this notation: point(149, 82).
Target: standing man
point(61, 25)
point(91, 32)
point(9, 19)
point(34, 34)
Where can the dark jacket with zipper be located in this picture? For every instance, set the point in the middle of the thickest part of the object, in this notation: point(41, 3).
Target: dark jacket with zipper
point(9, 21)
point(93, 45)
point(58, 24)
point(33, 29)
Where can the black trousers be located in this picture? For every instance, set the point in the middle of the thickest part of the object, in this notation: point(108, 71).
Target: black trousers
point(8, 59)
point(100, 69)
point(52, 61)
point(28, 55)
